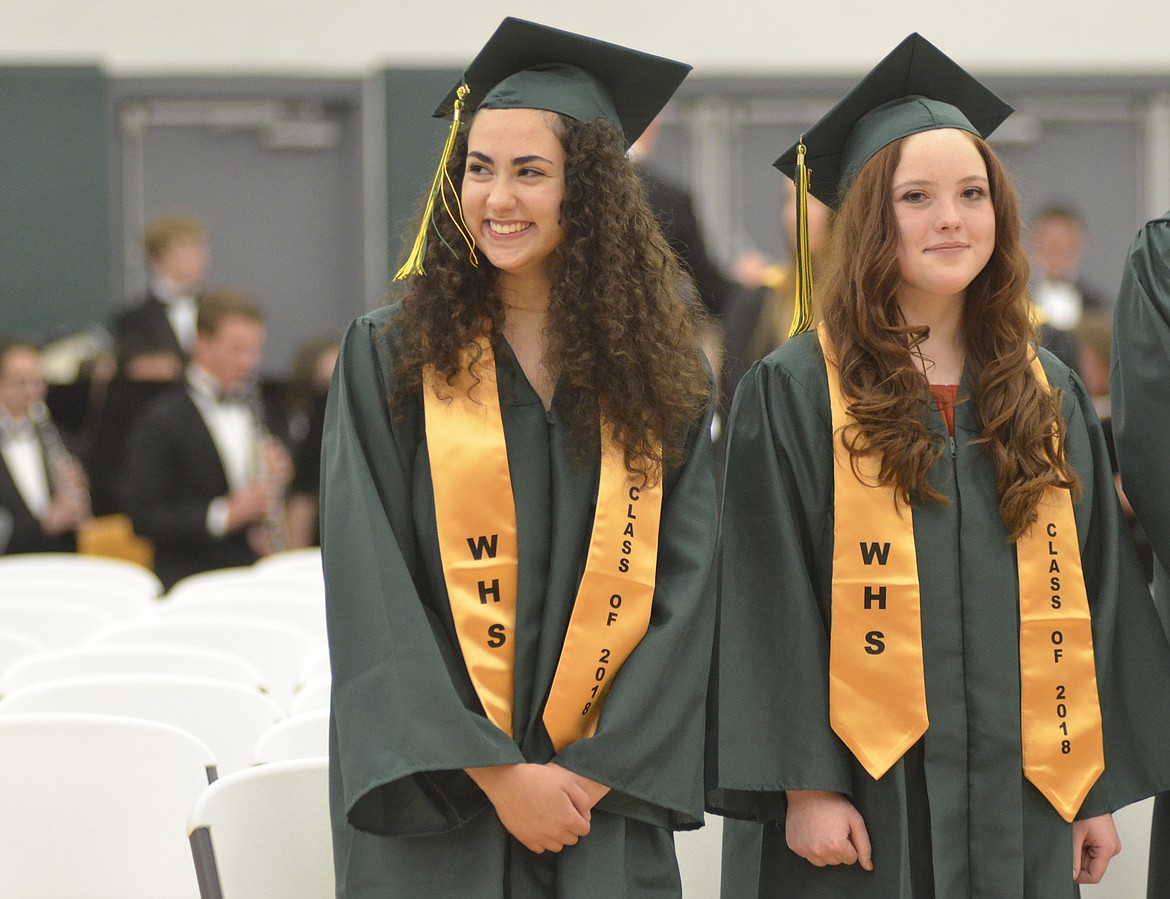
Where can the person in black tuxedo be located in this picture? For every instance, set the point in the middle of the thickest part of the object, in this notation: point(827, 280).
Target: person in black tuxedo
point(43, 491)
point(674, 207)
point(204, 477)
point(1061, 295)
point(177, 255)
point(144, 372)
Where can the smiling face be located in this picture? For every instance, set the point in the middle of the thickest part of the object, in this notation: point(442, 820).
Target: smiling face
point(944, 214)
point(512, 190)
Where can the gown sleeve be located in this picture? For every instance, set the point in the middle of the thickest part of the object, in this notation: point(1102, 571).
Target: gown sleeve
point(1130, 650)
point(1140, 385)
point(773, 734)
point(401, 729)
point(648, 747)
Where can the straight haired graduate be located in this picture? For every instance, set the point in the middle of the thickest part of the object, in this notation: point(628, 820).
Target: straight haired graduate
point(939, 669)
point(518, 502)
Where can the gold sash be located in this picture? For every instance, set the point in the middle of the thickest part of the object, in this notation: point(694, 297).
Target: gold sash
point(875, 642)
point(612, 610)
point(476, 519)
point(877, 693)
point(1060, 712)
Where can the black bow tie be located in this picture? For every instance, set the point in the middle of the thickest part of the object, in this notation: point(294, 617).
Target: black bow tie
point(231, 397)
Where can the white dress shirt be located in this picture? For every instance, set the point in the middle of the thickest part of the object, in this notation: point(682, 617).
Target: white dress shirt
point(233, 430)
point(180, 308)
point(24, 456)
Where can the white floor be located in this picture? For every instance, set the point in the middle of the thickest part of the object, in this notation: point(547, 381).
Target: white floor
point(699, 854)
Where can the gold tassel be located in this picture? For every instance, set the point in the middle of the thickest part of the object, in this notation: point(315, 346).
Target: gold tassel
point(802, 308)
point(442, 181)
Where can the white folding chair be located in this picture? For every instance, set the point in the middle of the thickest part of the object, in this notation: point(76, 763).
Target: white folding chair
point(294, 563)
point(51, 622)
point(81, 572)
point(16, 646)
point(210, 579)
point(228, 717)
point(300, 736)
point(312, 695)
point(278, 650)
point(265, 832)
point(79, 661)
point(97, 806)
point(236, 582)
point(275, 605)
point(316, 665)
point(114, 602)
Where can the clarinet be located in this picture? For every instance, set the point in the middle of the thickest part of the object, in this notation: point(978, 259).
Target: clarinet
point(62, 463)
point(274, 519)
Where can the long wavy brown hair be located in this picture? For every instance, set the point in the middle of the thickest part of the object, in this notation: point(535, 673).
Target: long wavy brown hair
point(1022, 428)
point(622, 328)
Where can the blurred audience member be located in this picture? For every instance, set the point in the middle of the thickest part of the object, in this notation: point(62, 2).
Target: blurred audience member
point(675, 210)
point(1094, 337)
point(77, 369)
point(306, 392)
point(760, 312)
point(146, 368)
point(177, 255)
point(203, 477)
point(308, 382)
point(43, 491)
point(1059, 292)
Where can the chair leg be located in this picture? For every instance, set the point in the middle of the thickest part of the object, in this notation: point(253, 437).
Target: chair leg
point(205, 869)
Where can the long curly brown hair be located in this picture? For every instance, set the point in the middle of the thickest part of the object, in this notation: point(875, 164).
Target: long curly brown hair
point(1021, 423)
point(622, 328)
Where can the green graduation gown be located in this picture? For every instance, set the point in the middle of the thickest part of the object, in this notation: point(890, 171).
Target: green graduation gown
point(408, 822)
point(1140, 391)
point(955, 816)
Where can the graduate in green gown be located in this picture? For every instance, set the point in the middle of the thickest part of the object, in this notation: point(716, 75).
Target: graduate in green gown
point(1140, 392)
point(937, 390)
point(547, 318)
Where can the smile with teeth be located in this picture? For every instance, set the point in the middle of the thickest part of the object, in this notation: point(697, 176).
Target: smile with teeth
point(510, 228)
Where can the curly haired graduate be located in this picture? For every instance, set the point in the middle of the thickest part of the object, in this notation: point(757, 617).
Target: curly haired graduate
point(937, 655)
point(519, 509)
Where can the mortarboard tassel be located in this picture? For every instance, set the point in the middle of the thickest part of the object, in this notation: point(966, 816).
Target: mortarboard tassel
point(414, 263)
point(802, 308)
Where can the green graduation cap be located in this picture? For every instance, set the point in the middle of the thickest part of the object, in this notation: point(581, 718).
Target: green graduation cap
point(525, 65)
point(915, 88)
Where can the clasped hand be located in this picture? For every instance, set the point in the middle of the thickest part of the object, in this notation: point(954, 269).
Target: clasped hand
point(545, 807)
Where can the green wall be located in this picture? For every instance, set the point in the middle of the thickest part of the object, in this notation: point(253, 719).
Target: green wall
point(414, 141)
point(54, 200)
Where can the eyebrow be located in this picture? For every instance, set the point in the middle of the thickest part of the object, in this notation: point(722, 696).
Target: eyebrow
point(519, 160)
point(926, 182)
